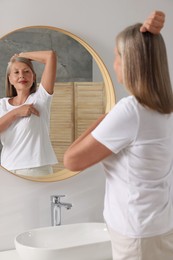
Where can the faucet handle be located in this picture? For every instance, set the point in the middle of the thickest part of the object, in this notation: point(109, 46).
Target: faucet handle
point(56, 198)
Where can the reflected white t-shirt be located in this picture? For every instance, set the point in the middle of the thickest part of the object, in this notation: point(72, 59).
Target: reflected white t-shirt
point(26, 143)
point(139, 172)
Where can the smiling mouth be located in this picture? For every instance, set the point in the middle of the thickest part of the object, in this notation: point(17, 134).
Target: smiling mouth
point(23, 82)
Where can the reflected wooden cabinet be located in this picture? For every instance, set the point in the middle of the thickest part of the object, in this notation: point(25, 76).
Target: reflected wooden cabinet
point(75, 106)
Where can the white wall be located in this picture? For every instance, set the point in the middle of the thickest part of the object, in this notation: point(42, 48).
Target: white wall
point(25, 204)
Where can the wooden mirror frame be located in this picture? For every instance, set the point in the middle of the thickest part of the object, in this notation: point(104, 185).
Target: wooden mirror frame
point(110, 101)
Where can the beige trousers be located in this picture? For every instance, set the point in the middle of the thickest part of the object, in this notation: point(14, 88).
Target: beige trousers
point(150, 248)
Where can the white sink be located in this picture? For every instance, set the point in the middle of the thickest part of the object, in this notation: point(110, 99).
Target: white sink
point(82, 241)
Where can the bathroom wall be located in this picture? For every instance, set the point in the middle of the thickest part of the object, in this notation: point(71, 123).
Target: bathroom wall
point(25, 204)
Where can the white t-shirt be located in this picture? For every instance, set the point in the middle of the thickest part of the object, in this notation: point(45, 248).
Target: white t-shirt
point(139, 172)
point(26, 143)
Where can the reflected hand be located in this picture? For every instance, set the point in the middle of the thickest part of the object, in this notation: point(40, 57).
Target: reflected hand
point(154, 23)
point(26, 110)
point(14, 56)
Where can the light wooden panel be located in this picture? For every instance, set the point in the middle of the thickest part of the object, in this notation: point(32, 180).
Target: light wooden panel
point(74, 107)
point(89, 104)
point(62, 114)
point(62, 121)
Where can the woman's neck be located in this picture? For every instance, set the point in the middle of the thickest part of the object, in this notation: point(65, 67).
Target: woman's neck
point(18, 100)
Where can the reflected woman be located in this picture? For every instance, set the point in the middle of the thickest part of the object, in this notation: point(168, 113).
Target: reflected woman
point(25, 115)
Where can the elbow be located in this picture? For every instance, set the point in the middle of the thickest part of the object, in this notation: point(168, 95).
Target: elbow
point(68, 164)
point(53, 55)
point(71, 164)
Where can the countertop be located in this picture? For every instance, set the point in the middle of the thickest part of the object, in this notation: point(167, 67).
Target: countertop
point(9, 255)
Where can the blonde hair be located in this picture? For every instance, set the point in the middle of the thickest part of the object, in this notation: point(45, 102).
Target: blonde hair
point(145, 68)
point(10, 89)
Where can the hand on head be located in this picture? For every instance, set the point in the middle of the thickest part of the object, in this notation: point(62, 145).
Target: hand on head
point(14, 56)
point(154, 23)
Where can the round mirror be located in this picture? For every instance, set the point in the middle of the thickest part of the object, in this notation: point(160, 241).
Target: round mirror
point(83, 88)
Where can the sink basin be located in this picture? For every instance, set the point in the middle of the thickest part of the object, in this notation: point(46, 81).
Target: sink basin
point(81, 241)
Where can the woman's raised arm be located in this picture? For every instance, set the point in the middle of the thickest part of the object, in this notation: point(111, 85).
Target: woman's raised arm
point(49, 59)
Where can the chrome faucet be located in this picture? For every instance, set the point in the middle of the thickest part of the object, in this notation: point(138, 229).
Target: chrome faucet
point(56, 206)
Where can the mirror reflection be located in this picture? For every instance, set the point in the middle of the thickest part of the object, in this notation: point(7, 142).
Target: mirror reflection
point(79, 90)
point(25, 115)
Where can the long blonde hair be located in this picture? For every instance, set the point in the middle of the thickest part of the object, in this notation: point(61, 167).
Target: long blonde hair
point(145, 68)
point(10, 89)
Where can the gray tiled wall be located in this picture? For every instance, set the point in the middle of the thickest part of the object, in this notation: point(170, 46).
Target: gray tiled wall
point(74, 61)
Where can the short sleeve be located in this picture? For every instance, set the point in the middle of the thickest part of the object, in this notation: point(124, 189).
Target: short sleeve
point(41, 94)
point(119, 128)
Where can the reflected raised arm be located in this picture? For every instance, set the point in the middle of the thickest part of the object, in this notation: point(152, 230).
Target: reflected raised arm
point(49, 59)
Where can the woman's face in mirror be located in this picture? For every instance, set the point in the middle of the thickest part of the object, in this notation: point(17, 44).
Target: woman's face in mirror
point(21, 76)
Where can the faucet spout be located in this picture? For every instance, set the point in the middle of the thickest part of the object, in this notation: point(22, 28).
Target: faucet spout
point(66, 205)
